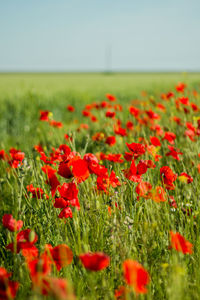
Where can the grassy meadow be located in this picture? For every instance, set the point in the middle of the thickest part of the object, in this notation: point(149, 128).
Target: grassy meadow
point(23, 95)
point(125, 217)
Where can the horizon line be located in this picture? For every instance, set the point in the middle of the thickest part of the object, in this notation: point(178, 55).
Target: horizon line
point(54, 71)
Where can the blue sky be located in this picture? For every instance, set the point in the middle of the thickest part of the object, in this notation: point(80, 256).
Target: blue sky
point(46, 35)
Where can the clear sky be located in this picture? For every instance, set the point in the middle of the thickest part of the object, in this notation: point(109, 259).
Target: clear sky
point(92, 35)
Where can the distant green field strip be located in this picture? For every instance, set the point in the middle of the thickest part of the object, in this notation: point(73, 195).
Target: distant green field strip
point(89, 84)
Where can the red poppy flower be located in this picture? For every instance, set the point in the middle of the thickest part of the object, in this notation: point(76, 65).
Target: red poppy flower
point(69, 197)
point(134, 111)
point(67, 137)
point(134, 173)
point(61, 203)
point(70, 108)
point(68, 191)
point(56, 124)
point(52, 179)
point(170, 95)
point(25, 240)
point(120, 293)
point(118, 107)
point(98, 136)
point(161, 107)
point(93, 118)
point(180, 87)
point(95, 261)
point(168, 177)
point(177, 120)
point(184, 100)
point(179, 243)
point(113, 180)
point(136, 276)
point(120, 131)
point(36, 192)
point(30, 253)
point(174, 153)
point(128, 156)
point(56, 288)
point(46, 159)
point(79, 169)
point(158, 194)
point(137, 149)
point(10, 223)
point(39, 268)
point(62, 255)
point(91, 160)
point(157, 128)
point(103, 183)
point(111, 140)
point(153, 151)
point(8, 288)
point(131, 173)
point(170, 137)
point(129, 125)
point(152, 115)
point(155, 141)
point(110, 97)
point(194, 107)
point(64, 169)
point(65, 149)
point(44, 115)
point(38, 148)
point(98, 170)
point(142, 167)
point(143, 190)
point(149, 163)
point(84, 126)
point(186, 110)
point(191, 134)
point(16, 158)
point(110, 114)
point(65, 213)
point(184, 177)
point(86, 113)
point(112, 157)
point(63, 154)
point(2, 154)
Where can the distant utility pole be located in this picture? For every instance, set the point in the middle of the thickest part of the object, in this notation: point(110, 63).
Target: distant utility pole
point(108, 58)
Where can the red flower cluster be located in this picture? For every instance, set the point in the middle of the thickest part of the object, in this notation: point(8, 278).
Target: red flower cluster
point(25, 240)
point(45, 116)
point(179, 243)
point(8, 288)
point(136, 276)
point(168, 177)
point(95, 261)
point(10, 223)
point(14, 158)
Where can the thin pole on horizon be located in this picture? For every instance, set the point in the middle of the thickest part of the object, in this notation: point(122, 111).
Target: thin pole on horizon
point(108, 58)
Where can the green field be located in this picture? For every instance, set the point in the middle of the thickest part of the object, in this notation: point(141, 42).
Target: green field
point(23, 95)
point(111, 219)
point(89, 84)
